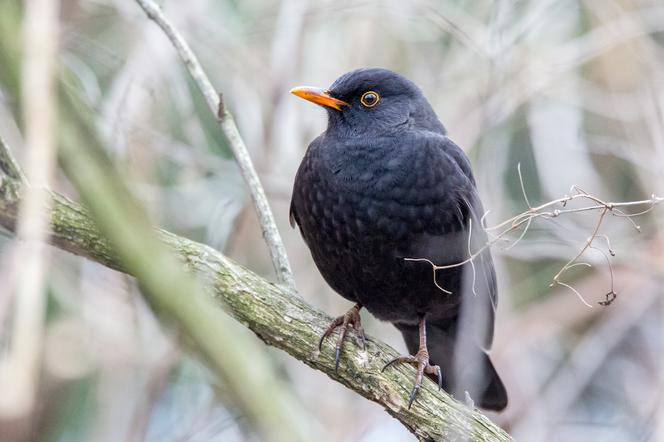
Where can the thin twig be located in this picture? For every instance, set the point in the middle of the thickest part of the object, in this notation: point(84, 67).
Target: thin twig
point(523, 187)
point(588, 243)
point(611, 294)
point(472, 263)
point(544, 211)
point(230, 130)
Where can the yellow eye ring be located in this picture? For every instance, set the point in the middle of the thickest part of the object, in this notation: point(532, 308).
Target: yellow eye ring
point(370, 98)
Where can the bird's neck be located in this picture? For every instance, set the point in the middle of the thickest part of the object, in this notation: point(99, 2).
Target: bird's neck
point(355, 152)
point(358, 164)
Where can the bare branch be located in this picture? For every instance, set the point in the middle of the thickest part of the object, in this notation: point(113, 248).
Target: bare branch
point(281, 319)
point(611, 294)
point(523, 187)
point(576, 292)
point(544, 211)
point(472, 263)
point(230, 130)
point(589, 242)
point(433, 268)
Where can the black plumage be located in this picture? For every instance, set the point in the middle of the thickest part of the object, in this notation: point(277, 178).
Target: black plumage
point(384, 183)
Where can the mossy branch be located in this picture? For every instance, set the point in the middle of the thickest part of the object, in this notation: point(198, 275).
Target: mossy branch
point(275, 315)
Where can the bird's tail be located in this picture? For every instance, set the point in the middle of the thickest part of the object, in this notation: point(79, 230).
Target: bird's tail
point(465, 367)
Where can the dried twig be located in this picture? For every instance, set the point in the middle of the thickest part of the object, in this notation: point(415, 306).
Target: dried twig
point(544, 211)
point(230, 130)
point(588, 357)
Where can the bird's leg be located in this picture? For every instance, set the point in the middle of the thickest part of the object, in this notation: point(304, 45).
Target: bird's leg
point(421, 361)
point(350, 319)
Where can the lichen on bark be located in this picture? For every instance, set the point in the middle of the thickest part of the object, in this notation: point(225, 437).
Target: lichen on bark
point(280, 318)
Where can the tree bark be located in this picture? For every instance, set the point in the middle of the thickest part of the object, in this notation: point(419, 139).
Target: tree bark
point(277, 316)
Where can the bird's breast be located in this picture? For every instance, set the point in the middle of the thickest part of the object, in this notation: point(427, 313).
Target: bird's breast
point(368, 201)
point(362, 212)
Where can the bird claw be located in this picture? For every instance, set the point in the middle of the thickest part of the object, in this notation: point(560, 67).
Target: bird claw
point(413, 393)
point(421, 362)
point(350, 319)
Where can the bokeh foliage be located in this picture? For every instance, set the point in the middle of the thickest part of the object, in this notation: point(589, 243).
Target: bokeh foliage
point(572, 90)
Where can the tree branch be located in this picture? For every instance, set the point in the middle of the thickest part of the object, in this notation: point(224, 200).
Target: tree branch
point(175, 296)
point(230, 130)
point(278, 317)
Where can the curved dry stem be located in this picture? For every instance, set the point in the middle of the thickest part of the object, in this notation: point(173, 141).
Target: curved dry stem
point(527, 217)
point(230, 130)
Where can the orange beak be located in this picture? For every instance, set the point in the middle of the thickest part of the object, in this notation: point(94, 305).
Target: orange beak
point(318, 96)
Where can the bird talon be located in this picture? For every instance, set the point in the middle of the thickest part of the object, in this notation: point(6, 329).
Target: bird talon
point(388, 364)
point(413, 393)
point(402, 359)
point(336, 323)
point(361, 340)
point(421, 362)
point(350, 319)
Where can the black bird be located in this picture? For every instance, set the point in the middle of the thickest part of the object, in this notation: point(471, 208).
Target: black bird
point(383, 184)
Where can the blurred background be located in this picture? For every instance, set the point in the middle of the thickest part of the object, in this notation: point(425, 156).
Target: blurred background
point(573, 90)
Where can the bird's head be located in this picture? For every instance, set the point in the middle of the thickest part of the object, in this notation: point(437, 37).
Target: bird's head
point(372, 100)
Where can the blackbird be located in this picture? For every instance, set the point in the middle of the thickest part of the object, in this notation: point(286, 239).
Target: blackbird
point(380, 197)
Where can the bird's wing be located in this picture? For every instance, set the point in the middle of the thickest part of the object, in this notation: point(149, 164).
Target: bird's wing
point(292, 215)
point(480, 289)
point(462, 236)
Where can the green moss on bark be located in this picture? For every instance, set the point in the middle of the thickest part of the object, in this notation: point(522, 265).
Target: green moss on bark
point(281, 319)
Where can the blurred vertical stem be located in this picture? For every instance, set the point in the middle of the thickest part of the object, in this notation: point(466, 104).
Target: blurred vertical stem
point(238, 359)
point(19, 371)
point(230, 130)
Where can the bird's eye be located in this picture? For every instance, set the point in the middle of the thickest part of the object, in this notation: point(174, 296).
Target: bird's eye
point(370, 99)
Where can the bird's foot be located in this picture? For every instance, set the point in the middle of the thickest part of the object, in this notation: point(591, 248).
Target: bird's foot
point(350, 319)
point(421, 362)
